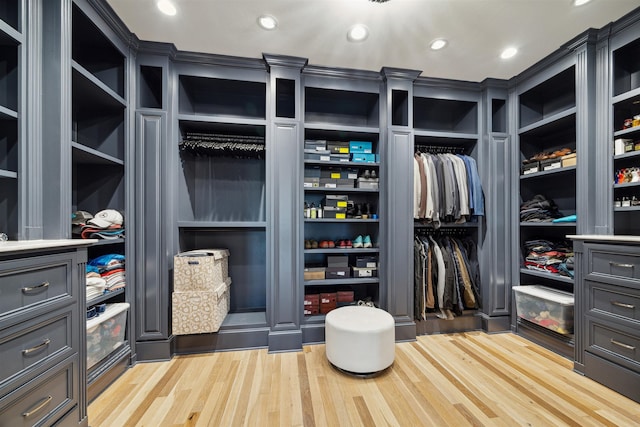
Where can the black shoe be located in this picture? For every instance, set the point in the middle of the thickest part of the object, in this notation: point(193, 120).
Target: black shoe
point(373, 174)
point(366, 174)
point(358, 213)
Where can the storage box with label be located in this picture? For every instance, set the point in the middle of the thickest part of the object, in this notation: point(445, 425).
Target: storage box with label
point(547, 307)
point(311, 299)
point(569, 160)
point(106, 332)
point(367, 262)
point(199, 312)
point(317, 144)
point(328, 302)
point(340, 157)
point(531, 167)
point(310, 182)
point(336, 201)
point(328, 183)
point(550, 164)
point(345, 296)
point(338, 147)
point(317, 155)
point(337, 273)
point(200, 270)
point(310, 310)
point(363, 158)
point(337, 261)
point(312, 172)
point(314, 273)
point(336, 213)
point(345, 183)
point(364, 272)
point(360, 147)
point(368, 183)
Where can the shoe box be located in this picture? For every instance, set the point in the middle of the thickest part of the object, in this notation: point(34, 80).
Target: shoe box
point(550, 164)
point(339, 173)
point(328, 302)
point(317, 155)
point(314, 273)
point(364, 158)
point(569, 160)
point(311, 304)
point(531, 167)
point(339, 157)
point(364, 272)
point(338, 147)
point(315, 144)
point(367, 262)
point(336, 201)
point(368, 183)
point(337, 183)
point(360, 147)
point(337, 267)
point(345, 298)
point(336, 213)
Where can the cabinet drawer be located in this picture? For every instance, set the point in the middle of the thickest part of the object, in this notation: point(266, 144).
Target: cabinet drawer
point(614, 300)
point(33, 345)
point(618, 345)
point(41, 402)
point(26, 283)
point(616, 264)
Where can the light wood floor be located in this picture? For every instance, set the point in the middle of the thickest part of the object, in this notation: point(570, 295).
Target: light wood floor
point(470, 379)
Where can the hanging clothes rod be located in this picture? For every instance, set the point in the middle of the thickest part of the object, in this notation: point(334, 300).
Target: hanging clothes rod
point(439, 149)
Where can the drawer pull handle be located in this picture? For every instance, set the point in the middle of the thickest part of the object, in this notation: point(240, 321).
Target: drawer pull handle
point(44, 343)
point(623, 345)
point(617, 264)
point(623, 305)
point(38, 406)
point(42, 286)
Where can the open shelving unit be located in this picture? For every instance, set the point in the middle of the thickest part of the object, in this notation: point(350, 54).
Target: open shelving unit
point(11, 54)
point(222, 198)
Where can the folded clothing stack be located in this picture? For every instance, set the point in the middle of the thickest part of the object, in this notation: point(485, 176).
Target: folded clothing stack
point(105, 273)
point(539, 209)
point(106, 224)
point(550, 257)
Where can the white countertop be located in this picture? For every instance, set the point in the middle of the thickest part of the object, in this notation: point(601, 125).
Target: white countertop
point(605, 238)
point(26, 245)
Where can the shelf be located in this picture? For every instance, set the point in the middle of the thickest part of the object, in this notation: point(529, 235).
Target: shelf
point(320, 220)
point(87, 155)
point(626, 185)
point(446, 225)
point(8, 174)
point(339, 190)
point(549, 172)
point(549, 276)
point(340, 128)
point(626, 132)
point(628, 155)
point(339, 251)
point(557, 120)
point(222, 120)
point(547, 224)
point(221, 224)
point(6, 113)
point(342, 109)
point(244, 319)
point(89, 79)
point(446, 135)
point(445, 117)
point(107, 242)
point(104, 297)
point(627, 209)
point(346, 164)
point(347, 281)
point(626, 96)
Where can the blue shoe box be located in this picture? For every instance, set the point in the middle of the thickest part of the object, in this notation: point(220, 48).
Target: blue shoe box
point(363, 158)
point(360, 147)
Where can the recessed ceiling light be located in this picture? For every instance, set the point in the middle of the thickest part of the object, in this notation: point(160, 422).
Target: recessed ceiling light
point(509, 52)
point(580, 2)
point(166, 7)
point(357, 33)
point(267, 22)
point(438, 44)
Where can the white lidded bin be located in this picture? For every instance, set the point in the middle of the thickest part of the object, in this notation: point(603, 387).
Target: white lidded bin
point(106, 332)
point(547, 307)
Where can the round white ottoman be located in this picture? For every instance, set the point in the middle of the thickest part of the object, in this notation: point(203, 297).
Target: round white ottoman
point(360, 339)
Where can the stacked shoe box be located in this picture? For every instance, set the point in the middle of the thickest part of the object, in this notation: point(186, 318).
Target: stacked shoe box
point(335, 206)
point(328, 302)
point(337, 267)
point(362, 152)
point(366, 266)
point(339, 151)
point(337, 177)
point(344, 298)
point(312, 176)
point(200, 299)
point(316, 150)
point(311, 304)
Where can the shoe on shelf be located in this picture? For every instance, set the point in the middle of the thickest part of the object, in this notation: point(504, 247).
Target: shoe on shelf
point(342, 244)
point(307, 244)
point(358, 213)
point(373, 174)
point(358, 242)
point(367, 174)
point(348, 244)
point(314, 244)
point(366, 243)
point(332, 244)
point(324, 244)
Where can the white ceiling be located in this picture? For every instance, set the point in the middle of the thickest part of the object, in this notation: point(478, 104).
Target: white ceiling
point(400, 31)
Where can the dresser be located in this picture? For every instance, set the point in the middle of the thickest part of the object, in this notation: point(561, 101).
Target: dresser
point(42, 333)
point(607, 311)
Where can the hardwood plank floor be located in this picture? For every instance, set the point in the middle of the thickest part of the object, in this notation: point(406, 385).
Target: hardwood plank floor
point(467, 379)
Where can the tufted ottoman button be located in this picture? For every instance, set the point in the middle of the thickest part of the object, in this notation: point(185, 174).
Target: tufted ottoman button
point(360, 339)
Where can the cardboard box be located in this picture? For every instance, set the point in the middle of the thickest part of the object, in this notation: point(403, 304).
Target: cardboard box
point(337, 261)
point(311, 182)
point(368, 183)
point(569, 160)
point(314, 273)
point(337, 273)
point(335, 213)
point(367, 262)
point(363, 158)
point(345, 296)
point(328, 302)
point(528, 168)
point(199, 312)
point(364, 272)
point(360, 147)
point(200, 270)
point(547, 307)
point(340, 157)
point(317, 144)
point(311, 310)
point(312, 299)
point(105, 332)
